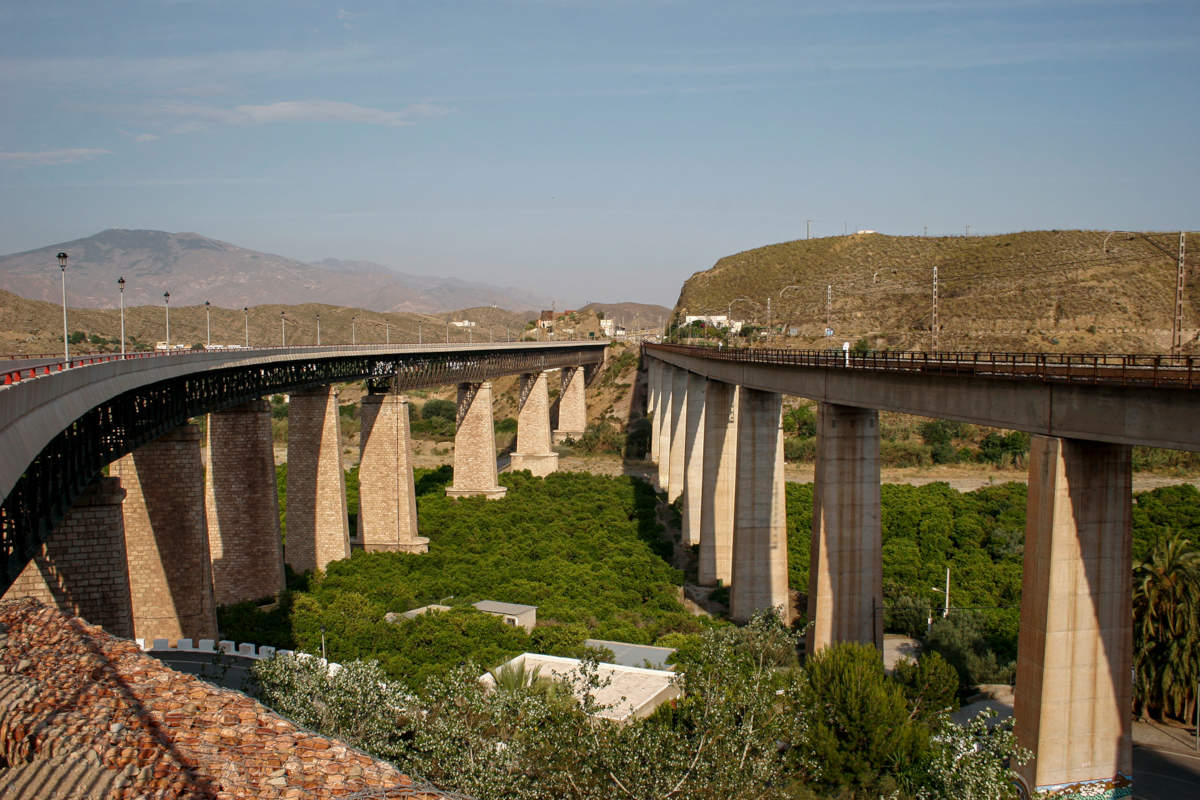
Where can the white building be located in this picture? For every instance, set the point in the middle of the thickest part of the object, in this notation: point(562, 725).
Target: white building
point(717, 321)
point(631, 691)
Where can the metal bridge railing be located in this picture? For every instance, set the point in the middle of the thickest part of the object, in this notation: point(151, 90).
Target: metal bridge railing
point(1109, 369)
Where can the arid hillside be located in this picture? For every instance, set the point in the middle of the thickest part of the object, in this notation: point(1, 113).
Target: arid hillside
point(1076, 291)
point(33, 326)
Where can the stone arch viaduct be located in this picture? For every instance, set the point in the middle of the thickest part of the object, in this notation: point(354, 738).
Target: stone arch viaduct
point(150, 550)
point(718, 443)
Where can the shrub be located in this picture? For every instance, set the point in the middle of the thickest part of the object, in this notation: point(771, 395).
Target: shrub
point(799, 448)
point(439, 409)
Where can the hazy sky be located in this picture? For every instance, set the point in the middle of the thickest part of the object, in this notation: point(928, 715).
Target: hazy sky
point(591, 150)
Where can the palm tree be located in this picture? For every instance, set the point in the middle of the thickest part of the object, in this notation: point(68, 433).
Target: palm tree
point(512, 677)
point(1166, 627)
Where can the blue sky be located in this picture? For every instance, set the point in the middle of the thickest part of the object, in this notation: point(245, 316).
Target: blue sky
point(591, 150)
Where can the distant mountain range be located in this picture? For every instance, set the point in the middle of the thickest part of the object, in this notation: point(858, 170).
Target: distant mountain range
point(195, 269)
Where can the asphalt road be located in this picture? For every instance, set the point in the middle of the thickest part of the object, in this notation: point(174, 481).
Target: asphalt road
point(1164, 775)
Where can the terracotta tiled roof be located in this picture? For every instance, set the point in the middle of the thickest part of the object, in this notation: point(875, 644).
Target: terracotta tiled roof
point(80, 705)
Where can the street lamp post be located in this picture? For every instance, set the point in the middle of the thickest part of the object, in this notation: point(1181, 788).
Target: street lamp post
point(387, 331)
point(283, 326)
point(167, 306)
point(318, 330)
point(353, 331)
point(419, 337)
point(246, 311)
point(62, 263)
point(208, 325)
point(121, 286)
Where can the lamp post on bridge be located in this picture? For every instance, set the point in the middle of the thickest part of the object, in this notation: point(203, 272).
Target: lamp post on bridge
point(318, 330)
point(246, 311)
point(208, 324)
point(283, 326)
point(167, 307)
point(121, 286)
point(62, 263)
point(387, 331)
point(353, 330)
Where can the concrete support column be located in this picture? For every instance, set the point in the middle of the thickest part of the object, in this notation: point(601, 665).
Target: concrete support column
point(242, 503)
point(387, 494)
point(760, 572)
point(1075, 651)
point(678, 464)
point(693, 457)
point(845, 583)
point(166, 538)
point(718, 494)
point(83, 568)
point(534, 451)
point(572, 405)
point(475, 444)
point(318, 530)
point(654, 403)
point(666, 386)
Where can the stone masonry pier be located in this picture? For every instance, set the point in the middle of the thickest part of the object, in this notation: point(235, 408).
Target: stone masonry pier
point(387, 495)
point(242, 505)
point(166, 537)
point(86, 714)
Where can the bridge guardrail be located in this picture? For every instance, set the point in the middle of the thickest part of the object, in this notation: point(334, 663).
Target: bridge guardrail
point(1146, 370)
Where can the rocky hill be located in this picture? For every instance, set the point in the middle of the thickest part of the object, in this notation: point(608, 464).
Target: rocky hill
point(1076, 291)
point(194, 269)
point(634, 316)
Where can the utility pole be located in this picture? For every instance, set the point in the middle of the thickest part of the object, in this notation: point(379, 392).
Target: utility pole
point(1177, 334)
point(933, 329)
point(946, 608)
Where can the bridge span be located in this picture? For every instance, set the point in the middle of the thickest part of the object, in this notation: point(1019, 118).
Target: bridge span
point(150, 549)
point(717, 439)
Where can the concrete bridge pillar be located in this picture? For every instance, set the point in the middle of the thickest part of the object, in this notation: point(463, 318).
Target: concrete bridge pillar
point(662, 424)
point(693, 457)
point(318, 530)
point(1075, 649)
point(760, 572)
point(719, 484)
point(679, 405)
point(83, 568)
point(534, 451)
point(166, 538)
point(475, 444)
point(572, 405)
point(387, 493)
point(845, 583)
point(242, 504)
point(653, 403)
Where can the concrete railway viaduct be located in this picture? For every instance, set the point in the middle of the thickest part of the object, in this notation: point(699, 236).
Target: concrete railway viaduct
point(149, 550)
point(717, 440)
